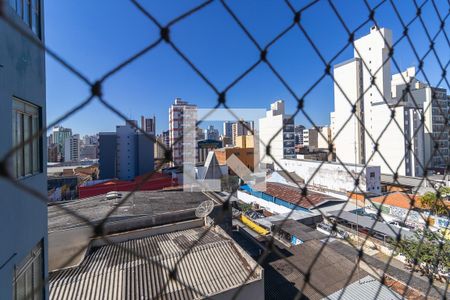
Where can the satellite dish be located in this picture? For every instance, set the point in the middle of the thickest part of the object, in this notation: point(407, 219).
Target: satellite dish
point(204, 209)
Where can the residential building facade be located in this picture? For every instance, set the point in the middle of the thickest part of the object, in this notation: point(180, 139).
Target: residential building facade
point(228, 129)
point(59, 136)
point(23, 217)
point(125, 154)
point(176, 118)
point(238, 129)
point(365, 104)
point(278, 129)
point(211, 133)
point(148, 125)
point(72, 148)
point(299, 134)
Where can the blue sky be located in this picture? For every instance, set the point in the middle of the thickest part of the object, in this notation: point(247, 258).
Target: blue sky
point(95, 36)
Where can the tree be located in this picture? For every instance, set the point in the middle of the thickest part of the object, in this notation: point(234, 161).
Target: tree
point(435, 201)
point(426, 251)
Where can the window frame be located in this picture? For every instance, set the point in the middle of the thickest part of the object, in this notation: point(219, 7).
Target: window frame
point(30, 273)
point(26, 122)
point(29, 11)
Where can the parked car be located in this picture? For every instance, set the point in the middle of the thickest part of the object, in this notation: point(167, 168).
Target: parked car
point(401, 225)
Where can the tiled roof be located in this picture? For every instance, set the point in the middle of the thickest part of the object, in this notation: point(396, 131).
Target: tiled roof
point(294, 195)
point(398, 199)
point(212, 266)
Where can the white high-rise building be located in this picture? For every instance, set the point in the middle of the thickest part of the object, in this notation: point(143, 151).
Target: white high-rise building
point(354, 91)
point(434, 103)
point(283, 143)
point(404, 146)
point(176, 113)
point(72, 148)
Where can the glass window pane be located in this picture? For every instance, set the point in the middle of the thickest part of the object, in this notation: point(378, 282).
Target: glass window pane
point(19, 152)
point(27, 146)
point(26, 12)
point(12, 3)
point(19, 8)
point(36, 148)
point(35, 17)
point(20, 287)
point(38, 277)
point(29, 282)
point(14, 143)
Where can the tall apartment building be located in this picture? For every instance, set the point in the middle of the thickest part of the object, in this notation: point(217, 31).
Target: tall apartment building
point(228, 129)
point(176, 117)
point(310, 138)
point(89, 147)
point(433, 103)
point(211, 133)
point(298, 130)
point(72, 148)
point(23, 217)
point(240, 128)
point(374, 104)
point(90, 139)
point(166, 138)
point(283, 143)
point(59, 136)
point(148, 125)
point(125, 154)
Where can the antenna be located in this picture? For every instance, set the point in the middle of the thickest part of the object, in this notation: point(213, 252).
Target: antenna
point(204, 209)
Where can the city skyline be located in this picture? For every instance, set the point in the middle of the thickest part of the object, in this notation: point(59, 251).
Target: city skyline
point(136, 89)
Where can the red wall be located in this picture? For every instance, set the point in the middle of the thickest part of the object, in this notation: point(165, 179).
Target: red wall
point(156, 182)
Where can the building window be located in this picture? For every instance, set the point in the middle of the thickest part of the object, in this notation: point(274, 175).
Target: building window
point(27, 159)
point(28, 282)
point(29, 12)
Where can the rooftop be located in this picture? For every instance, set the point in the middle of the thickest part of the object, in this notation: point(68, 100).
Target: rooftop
point(366, 288)
point(140, 204)
point(294, 195)
point(398, 199)
point(301, 231)
point(369, 223)
point(139, 269)
point(330, 271)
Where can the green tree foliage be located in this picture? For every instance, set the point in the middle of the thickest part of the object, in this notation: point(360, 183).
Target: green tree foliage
point(427, 252)
point(435, 201)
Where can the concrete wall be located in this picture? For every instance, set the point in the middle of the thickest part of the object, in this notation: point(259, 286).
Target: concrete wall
point(268, 128)
point(23, 217)
point(333, 176)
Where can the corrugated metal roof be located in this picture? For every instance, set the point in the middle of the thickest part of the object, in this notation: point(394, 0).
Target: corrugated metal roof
point(388, 230)
point(212, 266)
point(366, 288)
